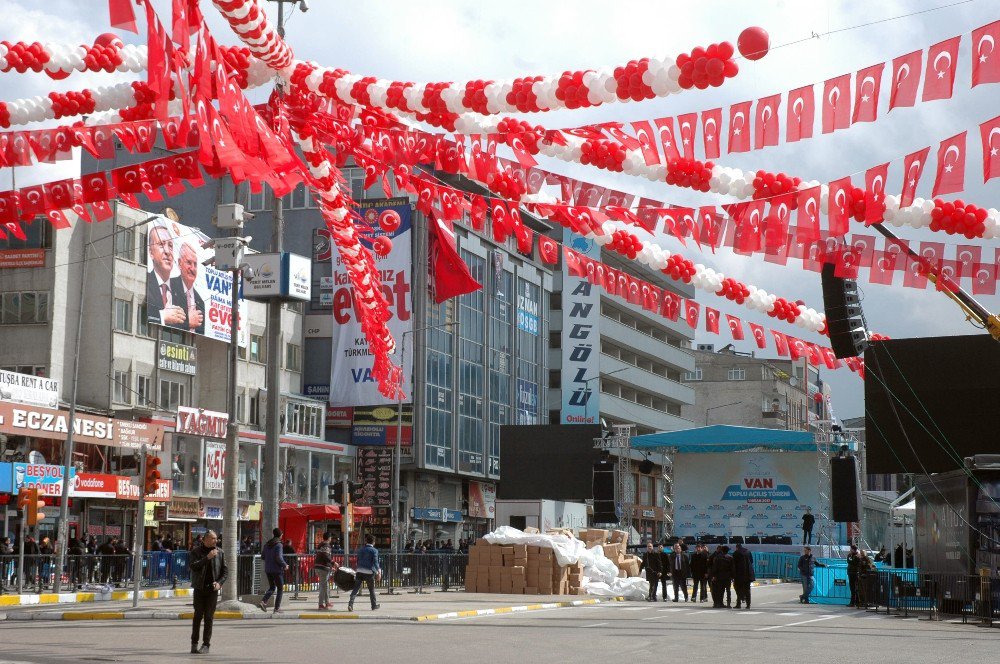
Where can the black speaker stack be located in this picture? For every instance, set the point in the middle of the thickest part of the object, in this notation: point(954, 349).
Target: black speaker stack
point(843, 314)
point(845, 494)
point(605, 509)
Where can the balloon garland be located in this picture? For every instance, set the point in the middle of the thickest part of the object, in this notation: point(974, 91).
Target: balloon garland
point(250, 24)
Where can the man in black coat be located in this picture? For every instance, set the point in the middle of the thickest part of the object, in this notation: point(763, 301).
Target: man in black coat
point(743, 574)
point(680, 570)
point(652, 564)
point(194, 305)
point(721, 574)
point(208, 573)
point(165, 302)
point(808, 521)
point(699, 572)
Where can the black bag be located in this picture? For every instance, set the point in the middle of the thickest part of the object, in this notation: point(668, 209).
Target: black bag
point(344, 578)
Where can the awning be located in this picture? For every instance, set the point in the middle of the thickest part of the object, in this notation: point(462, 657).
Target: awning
point(727, 438)
point(906, 509)
point(314, 512)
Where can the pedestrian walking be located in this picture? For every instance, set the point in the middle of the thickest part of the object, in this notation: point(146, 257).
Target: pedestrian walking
point(106, 552)
point(807, 567)
point(208, 573)
point(743, 575)
point(722, 578)
point(274, 568)
point(651, 563)
point(322, 565)
point(699, 572)
point(680, 570)
point(367, 573)
point(808, 521)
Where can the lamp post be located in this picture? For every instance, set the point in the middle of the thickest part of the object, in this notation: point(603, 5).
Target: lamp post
point(725, 405)
point(398, 460)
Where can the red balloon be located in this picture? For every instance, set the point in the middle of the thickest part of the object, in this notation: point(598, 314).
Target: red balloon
point(389, 221)
point(753, 43)
point(57, 75)
point(109, 39)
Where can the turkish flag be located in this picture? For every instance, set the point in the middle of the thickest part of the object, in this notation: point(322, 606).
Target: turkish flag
point(670, 306)
point(709, 225)
point(60, 194)
point(647, 142)
point(651, 296)
point(829, 358)
point(950, 177)
point(687, 127)
point(122, 15)
point(796, 347)
point(780, 343)
point(867, 84)
point(800, 114)
point(665, 128)
point(672, 223)
point(949, 275)
point(34, 201)
point(778, 254)
point(837, 104)
point(883, 268)
point(766, 122)
point(913, 168)
point(548, 250)
point(749, 219)
point(846, 262)
point(57, 218)
point(14, 228)
point(968, 256)
point(711, 320)
point(648, 214)
point(739, 127)
point(477, 214)
point(711, 121)
point(758, 335)
point(776, 222)
point(905, 80)
point(864, 247)
point(838, 214)
point(942, 61)
point(984, 279)
point(985, 63)
point(575, 266)
point(807, 220)
point(451, 274)
point(735, 327)
point(990, 133)
point(8, 206)
point(875, 193)
point(691, 312)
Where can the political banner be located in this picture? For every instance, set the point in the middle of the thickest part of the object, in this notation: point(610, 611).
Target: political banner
point(748, 494)
point(581, 343)
point(351, 379)
point(184, 293)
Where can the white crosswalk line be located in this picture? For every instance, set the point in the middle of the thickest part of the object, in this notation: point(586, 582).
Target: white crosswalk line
point(789, 614)
point(795, 624)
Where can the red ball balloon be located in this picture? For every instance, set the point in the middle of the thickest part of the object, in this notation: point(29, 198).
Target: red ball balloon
point(109, 39)
point(57, 75)
point(753, 43)
point(389, 220)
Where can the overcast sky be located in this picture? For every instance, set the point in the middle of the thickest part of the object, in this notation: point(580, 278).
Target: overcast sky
point(454, 40)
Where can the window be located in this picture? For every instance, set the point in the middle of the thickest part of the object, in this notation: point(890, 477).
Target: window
point(171, 395)
point(304, 419)
point(123, 315)
point(693, 375)
point(29, 369)
point(299, 198)
point(737, 373)
point(143, 247)
point(766, 373)
point(37, 235)
point(261, 201)
point(240, 399)
point(144, 390)
point(141, 320)
point(293, 357)
point(173, 335)
point(258, 349)
point(125, 243)
point(254, 407)
point(24, 308)
point(122, 388)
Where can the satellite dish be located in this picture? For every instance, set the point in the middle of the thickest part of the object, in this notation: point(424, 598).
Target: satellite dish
point(171, 214)
point(36, 457)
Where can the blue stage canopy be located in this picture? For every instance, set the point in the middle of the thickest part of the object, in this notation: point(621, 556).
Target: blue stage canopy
point(727, 438)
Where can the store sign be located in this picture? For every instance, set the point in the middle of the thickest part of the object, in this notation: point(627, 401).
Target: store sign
point(528, 309)
point(317, 326)
point(316, 390)
point(54, 424)
point(90, 485)
point(440, 514)
point(281, 276)
point(6, 471)
point(339, 417)
point(184, 508)
point(375, 475)
point(527, 402)
point(178, 358)
point(127, 490)
point(21, 258)
point(351, 379)
point(201, 422)
point(215, 466)
point(482, 500)
point(379, 425)
point(47, 479)
point(28, 389)
point(581, 342)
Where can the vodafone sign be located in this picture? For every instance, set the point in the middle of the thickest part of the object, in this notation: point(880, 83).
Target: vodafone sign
point(202, 423)
point(93, 485)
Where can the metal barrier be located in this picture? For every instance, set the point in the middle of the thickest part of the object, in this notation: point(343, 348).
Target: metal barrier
point(911, 593)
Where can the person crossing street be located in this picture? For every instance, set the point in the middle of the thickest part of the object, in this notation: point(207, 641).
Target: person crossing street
point(208, 573)
point(367, 573)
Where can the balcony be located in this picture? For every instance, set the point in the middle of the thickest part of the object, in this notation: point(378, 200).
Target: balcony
point(646, 381)
point(626, 335)
point(630, 411)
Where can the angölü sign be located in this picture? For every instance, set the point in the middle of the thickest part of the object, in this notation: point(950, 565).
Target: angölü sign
point(203, 423)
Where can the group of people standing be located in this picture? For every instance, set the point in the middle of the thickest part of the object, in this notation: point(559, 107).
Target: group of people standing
point(717, 572)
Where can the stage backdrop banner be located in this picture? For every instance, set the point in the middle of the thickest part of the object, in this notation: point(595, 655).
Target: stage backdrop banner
point(184, 293)
point(351, 379)
point(744, 493)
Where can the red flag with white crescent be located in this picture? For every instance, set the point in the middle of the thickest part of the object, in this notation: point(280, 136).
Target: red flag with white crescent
point(766, 122)
point(692, 311)
point(985, 61)
point(780, 343)
point(711, 122)
point(687, 127)
point(875, 193)
point(758, 335)
point(800, 114)
point(711, 320)
point(668, 142)
point(942, 61)
point(837, 103)
point(867, 84)
point(905, 80)
point(950, 178)
point(990, 133)
point(913, 168)
point(739, 127)
point(647, 142)
point(735, 327)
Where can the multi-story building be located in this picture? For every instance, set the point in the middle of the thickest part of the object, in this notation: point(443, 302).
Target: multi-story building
point(745, 390)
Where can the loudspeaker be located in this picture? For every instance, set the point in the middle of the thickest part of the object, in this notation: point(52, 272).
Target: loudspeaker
point(845, 496)
point(843, 314)
point(605, 509)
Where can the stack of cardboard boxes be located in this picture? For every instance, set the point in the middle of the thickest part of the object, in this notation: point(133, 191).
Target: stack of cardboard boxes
point(519, 569)
point(531, 570)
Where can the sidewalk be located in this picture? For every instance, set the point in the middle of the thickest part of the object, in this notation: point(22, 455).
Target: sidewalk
point(32, 599)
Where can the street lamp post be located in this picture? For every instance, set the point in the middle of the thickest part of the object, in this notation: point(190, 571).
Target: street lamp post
point(725, 405)
point(398, 460)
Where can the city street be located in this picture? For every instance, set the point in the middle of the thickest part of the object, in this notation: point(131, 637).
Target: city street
point(777, 629)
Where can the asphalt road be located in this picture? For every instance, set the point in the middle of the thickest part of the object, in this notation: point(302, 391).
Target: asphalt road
point(778, 629)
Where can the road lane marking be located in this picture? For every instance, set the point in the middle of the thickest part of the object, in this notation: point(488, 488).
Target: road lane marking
point(795, 624)
point(596, 624)
point(789, 614)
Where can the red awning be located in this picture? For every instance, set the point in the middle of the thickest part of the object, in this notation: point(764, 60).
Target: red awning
point(313, 512)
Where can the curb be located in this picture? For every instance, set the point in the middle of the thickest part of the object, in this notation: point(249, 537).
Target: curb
point(514, 609)
point(85, 597)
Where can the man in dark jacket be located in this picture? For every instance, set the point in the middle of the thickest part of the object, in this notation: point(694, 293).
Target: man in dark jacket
point(368, 572)
point(651, 564)
point(853, 565)
point(680, 570)
point(807, 567)
point(107, 553)
point(699, 572)
point(721, 574)
point(208, 573)
point(274, 568)
point(808, 520)
point(743, 574)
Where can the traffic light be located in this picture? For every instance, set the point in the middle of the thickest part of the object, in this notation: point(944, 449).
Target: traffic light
point(31, 505)
point(24, 497)
point(152, 474)
point(336, 493)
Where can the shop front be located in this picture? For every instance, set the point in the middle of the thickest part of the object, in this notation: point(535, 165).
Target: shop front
point(481, 498)
point(110, 503)
point(437, 524)
point(304, 525)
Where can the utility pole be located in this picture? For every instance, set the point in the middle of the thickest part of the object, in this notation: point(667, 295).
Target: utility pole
point(140, 527)
point(345, 518)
